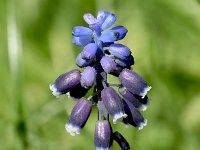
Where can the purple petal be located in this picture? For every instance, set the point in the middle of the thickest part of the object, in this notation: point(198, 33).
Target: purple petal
point(121, 141)
point(108, 64)
point(88, 77)
point(77, 92)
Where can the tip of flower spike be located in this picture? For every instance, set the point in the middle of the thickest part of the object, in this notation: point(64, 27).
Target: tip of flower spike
point(145, 91)
point(72, 130)
point(119, 117)
point(102, 148)
point(142, 124)
point(54, 90)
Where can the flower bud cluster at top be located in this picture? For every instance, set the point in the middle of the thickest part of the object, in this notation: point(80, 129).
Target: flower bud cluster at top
point(102, 56)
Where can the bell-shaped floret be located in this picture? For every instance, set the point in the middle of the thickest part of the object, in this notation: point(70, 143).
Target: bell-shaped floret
point(102, 135)
point(113, 104)
point(108, 64)
point(88, 77)
point(65, 82)
point(79, 116)
point(119, 50)
point(89, 18)
point(134, 82)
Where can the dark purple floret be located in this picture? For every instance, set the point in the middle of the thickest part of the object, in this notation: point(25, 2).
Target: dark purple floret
point(131, 98)
point(88, 77)
point(77, 92)
point(108, 64)
point(134, 116)
point(113, 104)
point(120, 51)
point(89, 51)
point(65, 82)
point(121, 141)
point(79, 115)
point(134, 82)
point(102, 135)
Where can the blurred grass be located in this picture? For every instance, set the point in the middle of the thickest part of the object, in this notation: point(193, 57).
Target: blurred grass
point(164, 37)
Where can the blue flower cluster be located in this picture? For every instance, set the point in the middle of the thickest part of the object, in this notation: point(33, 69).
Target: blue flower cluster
point(103, 56)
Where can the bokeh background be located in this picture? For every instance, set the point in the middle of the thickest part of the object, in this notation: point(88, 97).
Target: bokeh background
point(35, 47)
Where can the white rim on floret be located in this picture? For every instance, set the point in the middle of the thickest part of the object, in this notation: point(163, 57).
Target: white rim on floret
point(143, 107)
point(119, 117)
point(145, 91)
point(142, 124)
point(73, 130)
point(54, 90)
point(102, 148)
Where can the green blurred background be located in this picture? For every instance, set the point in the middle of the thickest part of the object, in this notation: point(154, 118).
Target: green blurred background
point(35, 47)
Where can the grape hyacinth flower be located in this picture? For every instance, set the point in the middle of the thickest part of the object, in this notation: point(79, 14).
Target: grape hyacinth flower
point(101, 57)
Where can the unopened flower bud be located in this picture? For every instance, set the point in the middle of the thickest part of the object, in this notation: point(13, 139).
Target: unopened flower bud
point(113, 104)
point(88, 77)
point(119, 50)
point(65, 82)
point(89, 18)
point(121, 30)
point(89, 51)
point(81, 31)
point(108, 64)
point(82, 40)
point(102, 135)
point(134, 82)
point(79, 116)
point(109, 21)
point(83, 62)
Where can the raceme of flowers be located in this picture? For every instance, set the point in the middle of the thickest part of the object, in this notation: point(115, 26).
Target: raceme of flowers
point(102, 56)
